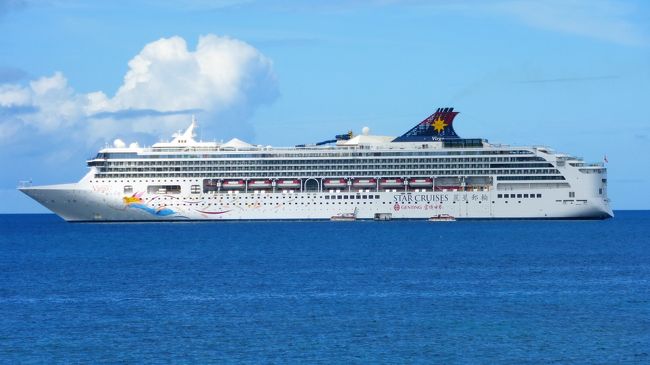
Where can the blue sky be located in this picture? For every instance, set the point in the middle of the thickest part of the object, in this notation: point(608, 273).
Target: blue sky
point(75, 75)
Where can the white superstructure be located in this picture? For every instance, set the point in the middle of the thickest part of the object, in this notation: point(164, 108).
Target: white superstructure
point(427, 172)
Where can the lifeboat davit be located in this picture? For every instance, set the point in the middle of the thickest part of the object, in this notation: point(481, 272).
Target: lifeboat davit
point(364, 183)
point(288, 184)
point(391, 183)
point(232, 184)
point(335, 183)
point(421, 182)
point(259, 184)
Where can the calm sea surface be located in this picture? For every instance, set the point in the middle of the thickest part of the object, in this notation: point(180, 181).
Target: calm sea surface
point(326, 292)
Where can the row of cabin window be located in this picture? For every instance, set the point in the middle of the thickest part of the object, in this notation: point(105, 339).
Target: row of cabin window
point(342, 173)
point(362, 170)
point(299, 155)
point(227, 204)
point(285, 203)
point(498, 162)
point(352, 197)
point(513, 196)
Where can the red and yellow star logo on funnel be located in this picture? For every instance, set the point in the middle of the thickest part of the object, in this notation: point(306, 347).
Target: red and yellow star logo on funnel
point(439, 125)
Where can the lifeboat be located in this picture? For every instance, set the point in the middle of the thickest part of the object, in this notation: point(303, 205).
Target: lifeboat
point(288, 184)
point(391, 183)
point(335, 183)
point(259, 184)
point(232, 184)
point(364, 183)
point(421, 182)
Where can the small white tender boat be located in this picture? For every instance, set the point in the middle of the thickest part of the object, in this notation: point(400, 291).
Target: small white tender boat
point(442, 218)
point(345, 217)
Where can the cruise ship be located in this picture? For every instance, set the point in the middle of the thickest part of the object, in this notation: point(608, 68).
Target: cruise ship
point(429, 171)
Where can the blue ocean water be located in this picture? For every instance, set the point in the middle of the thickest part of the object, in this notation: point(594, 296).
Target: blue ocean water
point(326, 292)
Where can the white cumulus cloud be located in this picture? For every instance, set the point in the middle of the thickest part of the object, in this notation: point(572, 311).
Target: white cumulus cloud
point(219, 74)
point(164, 82)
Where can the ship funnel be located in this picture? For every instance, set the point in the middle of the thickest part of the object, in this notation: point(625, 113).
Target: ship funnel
point(438, 126)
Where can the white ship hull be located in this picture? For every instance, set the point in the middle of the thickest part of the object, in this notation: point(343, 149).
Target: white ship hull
point(76, 203)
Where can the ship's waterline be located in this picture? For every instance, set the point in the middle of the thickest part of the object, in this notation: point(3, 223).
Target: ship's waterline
point(429, 171)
